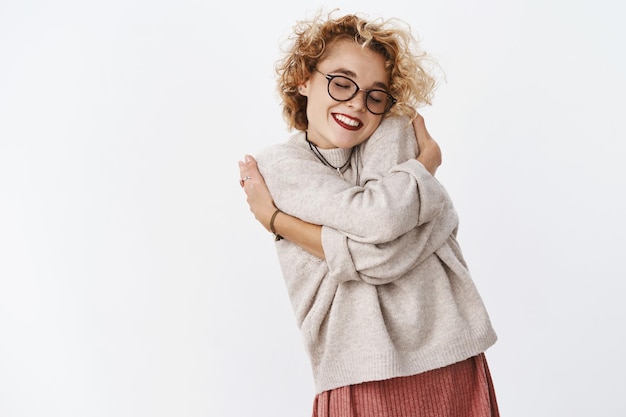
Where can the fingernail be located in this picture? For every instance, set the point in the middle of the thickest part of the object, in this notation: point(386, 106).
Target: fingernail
point(248, 158)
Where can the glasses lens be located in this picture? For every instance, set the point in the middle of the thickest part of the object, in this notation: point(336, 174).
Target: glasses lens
point(342, 88)
point(378, 101)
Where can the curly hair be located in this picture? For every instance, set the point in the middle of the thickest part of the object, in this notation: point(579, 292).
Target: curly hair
point(411, 84)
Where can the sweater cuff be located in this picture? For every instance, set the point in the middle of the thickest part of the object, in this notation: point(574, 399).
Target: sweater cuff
point(340, 265)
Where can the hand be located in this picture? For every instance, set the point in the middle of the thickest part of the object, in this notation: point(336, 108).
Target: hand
point(258, 195)
point(429, 151)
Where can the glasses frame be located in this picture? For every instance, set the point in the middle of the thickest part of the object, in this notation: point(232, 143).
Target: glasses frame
point(390, 99)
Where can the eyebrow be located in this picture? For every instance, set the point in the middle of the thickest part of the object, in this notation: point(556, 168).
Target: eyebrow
point(352, 74)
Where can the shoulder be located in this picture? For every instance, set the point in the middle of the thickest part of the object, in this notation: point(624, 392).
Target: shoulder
point(394, 141)
point(294, 154)
point(292, 148)
point(393, 126)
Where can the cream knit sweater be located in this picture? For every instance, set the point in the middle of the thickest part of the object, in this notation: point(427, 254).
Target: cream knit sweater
point(394, 296)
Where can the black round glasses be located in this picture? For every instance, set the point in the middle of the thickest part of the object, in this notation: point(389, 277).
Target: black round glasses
point(342, 88)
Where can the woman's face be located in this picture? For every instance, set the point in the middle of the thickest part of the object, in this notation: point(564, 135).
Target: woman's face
point(344, 124)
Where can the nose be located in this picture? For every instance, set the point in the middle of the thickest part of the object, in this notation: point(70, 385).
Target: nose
point(357, 102)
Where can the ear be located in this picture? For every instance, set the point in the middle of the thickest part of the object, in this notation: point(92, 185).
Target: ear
point(303, 89)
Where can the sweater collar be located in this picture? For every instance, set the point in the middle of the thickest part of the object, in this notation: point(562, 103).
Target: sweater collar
point(335, 156)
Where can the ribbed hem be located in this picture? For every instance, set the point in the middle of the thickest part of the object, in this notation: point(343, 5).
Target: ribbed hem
point(390, 364)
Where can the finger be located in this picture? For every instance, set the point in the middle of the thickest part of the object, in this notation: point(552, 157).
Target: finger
point(252, 169)
point(244, 174)
point(247, 180)
point(242, 169)
point(420, 128)
point(250, 161)
point(248, 164)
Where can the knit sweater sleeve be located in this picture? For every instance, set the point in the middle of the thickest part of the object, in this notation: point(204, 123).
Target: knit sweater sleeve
point(379, 211)
point(378, 264)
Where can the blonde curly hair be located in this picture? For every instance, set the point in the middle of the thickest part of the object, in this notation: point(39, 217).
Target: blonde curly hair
point(411, 84)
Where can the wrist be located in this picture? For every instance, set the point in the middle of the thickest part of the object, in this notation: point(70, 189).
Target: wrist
point(277, 237)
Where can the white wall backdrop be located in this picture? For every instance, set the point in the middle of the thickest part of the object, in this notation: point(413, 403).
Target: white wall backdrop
point(135, 282)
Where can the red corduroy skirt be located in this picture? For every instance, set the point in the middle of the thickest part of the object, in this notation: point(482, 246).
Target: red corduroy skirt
point(462, 389)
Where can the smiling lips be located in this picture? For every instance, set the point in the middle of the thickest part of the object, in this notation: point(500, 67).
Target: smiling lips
point(347, 122)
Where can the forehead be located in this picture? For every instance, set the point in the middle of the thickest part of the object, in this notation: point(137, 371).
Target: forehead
point(347, 54)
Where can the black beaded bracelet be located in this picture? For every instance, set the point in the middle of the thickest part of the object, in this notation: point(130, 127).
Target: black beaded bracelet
point(277, 236)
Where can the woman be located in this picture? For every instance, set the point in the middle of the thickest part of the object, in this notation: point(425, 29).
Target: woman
point(365, 235)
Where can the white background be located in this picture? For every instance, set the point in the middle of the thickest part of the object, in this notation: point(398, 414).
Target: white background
point(135, 282)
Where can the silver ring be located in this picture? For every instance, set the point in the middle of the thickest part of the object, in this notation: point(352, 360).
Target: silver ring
point(246, 178)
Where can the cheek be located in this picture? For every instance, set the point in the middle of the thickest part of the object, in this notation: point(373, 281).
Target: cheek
point(319, 103)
